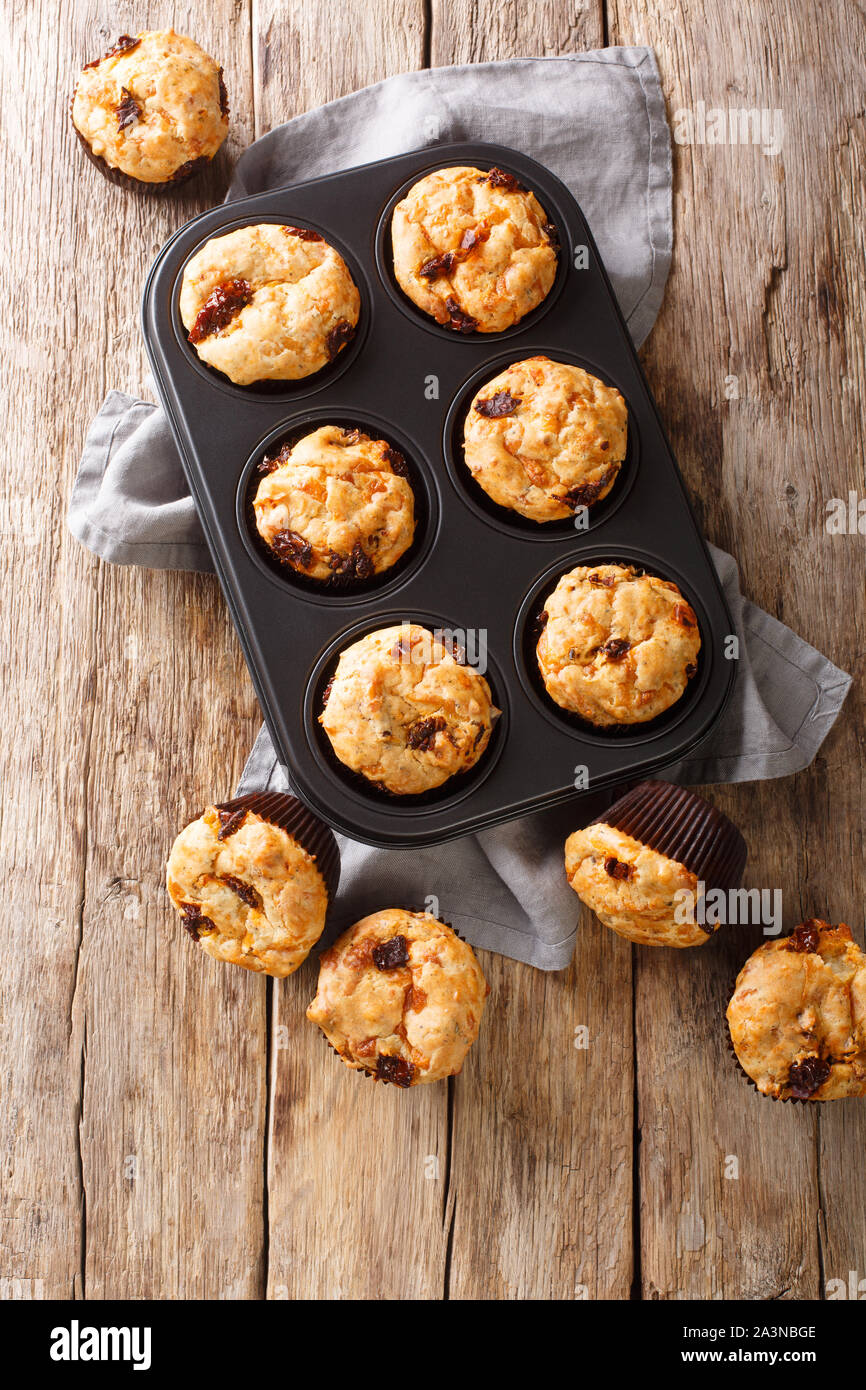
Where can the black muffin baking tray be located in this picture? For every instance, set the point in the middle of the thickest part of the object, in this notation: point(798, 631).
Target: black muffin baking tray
point(475, 570)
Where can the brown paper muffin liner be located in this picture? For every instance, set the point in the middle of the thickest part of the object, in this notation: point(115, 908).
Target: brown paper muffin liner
point(126, 181)
point(291, 815)
point(678, 823)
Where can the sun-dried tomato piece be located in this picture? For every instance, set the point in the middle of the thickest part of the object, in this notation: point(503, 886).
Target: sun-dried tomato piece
point(616, 647)
point(272, 462)
point(458, 321)
point(326, 693)
point(220, 307)
point(498, 405)
point(394, 1069)
point(497, 178)
point(806, 937)
point(341, 334)
point(615, 868)
point(224, 96)
point(245, 891)
point(472, 237)
point(584, 495)
point(397, 462)
point(193, 920)
point(552, 236)
point(125, 44)
point(422, 735)
point(392, 954)
point(303, 233)
point(351, 437)
point(356, 565)
point(607, 581)
point(128, 110)
point(291, 547)
point(230, 821)
point(691, 669)
point(807, 1077)
point(444, 263)
point(543, 619)
point(437, 266)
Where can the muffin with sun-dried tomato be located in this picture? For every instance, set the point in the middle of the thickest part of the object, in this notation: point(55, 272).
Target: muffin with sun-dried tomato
point(270, 302)
point(543, 438)
point(252, 878)
point(646, 866)
point(473, 248)
point(797, 1016)
point(154, 109)
point(336, 505)
point(617, 646)
point(400, 997)
point(405, 712)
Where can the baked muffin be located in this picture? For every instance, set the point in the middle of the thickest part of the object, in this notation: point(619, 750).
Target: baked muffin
point(798, 1015)
point(618, 646)
point(154, 108)
point(251, 879)
point(473, 249)
point(400, 996)
point(268, 303)
point(336, 504)
point(543, 438)
point(403, 712)
point(644, 865)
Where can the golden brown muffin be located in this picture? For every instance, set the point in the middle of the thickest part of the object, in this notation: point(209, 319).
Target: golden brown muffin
point(404, 713)
point(337, 504)
point(474, 250)
point(631, 888)
point(400, 996)
point(544, 437)
point(798, 1015)
point(268, 303)
point(618, 646)
point(646, 864)
point(247, 891)
point(153, 107)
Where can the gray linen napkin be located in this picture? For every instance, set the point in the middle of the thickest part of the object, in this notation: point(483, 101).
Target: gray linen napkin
point(597, 120)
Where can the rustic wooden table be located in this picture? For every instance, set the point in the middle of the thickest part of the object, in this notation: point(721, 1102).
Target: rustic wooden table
point(170, 1129)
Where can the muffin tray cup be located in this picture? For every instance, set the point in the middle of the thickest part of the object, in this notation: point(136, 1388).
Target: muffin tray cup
point(474, 569)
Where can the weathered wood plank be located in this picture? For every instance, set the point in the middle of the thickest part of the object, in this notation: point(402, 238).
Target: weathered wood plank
point(757, 365)
point(172, 1130)
point(484, 31)
point(344, 1154)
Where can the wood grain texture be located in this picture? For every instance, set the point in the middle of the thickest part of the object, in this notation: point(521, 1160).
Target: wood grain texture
point(767, 288)
point(169, 1128)
point(485, 31)
point(155, 1116)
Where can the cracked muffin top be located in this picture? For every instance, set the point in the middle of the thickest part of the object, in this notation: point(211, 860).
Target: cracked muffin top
point(400, 996)
point(618, 646)
point(268, 303)
point(403, 712)
point(336, 504)
point(247, 891)
point(632, 888)
point(798, 1015)
point(152, 107)
point(473, 249)
point(543, 438)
